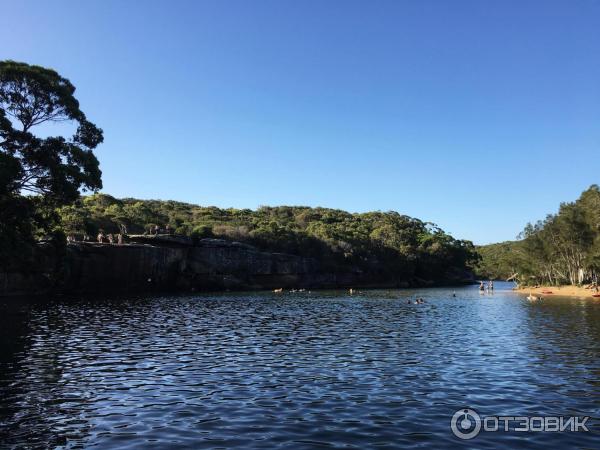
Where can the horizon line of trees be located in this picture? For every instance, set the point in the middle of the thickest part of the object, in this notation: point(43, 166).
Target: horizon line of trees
point(383, 242)
point(564, 248)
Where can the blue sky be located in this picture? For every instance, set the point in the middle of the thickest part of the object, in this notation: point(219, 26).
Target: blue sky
point(479, 116)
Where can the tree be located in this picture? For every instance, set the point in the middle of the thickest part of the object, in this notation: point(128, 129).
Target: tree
point(563, 248)
point(38, 174)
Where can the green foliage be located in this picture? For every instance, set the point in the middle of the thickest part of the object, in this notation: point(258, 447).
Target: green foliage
point(54, 166)
point(500, 261)
point(564, 248)
point(200, 231)
point(37, 174)
point(389, 243)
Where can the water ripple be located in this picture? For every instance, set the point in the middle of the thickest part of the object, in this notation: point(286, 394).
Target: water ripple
point(299, 370)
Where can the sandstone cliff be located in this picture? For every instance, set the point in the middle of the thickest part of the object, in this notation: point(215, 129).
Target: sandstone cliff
point(168, 263)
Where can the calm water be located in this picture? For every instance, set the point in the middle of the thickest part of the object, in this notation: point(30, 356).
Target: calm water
point(298, 370)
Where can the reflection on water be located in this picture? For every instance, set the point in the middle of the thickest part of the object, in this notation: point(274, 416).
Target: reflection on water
point(298, 370)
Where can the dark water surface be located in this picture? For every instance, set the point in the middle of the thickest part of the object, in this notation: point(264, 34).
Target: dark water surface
point(294, 370)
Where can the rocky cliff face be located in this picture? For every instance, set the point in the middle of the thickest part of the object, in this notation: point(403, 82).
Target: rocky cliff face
point(160, 263)
point(135, 267)
point(150, 263)
point(166, 263)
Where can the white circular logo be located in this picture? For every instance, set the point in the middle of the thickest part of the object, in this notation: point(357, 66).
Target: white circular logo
point(465, 423)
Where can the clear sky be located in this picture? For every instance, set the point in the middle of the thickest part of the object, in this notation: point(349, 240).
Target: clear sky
point(477, 115)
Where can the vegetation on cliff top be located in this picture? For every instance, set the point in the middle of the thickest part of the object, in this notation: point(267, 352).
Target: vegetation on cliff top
point(384, 242)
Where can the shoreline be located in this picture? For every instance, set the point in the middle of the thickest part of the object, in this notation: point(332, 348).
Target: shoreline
point(559, 291)
point(217, 291)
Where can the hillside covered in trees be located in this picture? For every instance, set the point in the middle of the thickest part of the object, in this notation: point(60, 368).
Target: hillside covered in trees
point(376, 242)
point(564, 248)
point(499, 261)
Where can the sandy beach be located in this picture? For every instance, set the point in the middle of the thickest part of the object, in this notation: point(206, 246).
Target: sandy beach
point(564, 291)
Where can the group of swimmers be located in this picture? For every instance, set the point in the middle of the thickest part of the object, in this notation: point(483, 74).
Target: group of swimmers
point(489, 287)
point(280, 290)
point(354, 291)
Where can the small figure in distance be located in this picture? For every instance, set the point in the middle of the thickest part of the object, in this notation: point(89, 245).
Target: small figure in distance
point(120, 238)
point(491, 285)
point(454, 294)
point(100, 237)
point(111, 239)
